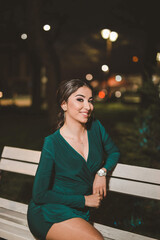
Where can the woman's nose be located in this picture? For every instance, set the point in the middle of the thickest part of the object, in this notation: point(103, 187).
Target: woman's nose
point(87, 105)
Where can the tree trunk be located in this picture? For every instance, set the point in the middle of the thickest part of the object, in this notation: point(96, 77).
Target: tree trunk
point(42, 55)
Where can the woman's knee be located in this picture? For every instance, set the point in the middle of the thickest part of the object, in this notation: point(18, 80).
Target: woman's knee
point(98, 236)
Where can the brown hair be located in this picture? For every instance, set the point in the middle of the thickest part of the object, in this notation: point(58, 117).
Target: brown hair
point(66, 88)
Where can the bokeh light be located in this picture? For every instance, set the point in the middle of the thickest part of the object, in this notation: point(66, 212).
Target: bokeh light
point(1, 94)
point(118, 94)
point(46, 27)
point(89, 77)
point(101, 94)
point(24, 36)
point(105, 68)
point(158, 57)
point(105, 33)
point(118, 78)
point(135, 59)
point(94, 83)
point(113, 36)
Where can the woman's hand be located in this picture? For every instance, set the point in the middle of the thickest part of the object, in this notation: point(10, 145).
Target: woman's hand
point(99, 185)
point(93, 200)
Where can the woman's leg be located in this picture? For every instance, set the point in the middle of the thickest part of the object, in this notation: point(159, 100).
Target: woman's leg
point(73, 229)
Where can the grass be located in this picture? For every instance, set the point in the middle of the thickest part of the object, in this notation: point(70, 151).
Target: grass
point(22, 128)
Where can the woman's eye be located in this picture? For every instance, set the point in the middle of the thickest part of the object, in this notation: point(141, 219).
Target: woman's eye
point(91, 101)
point(80, 99)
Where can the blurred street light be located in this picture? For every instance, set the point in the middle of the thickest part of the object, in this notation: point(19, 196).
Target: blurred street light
point(105, 68)
point(118, 78)
point(46, 27)
point(158, 57)
point(118, 94)
point(89, 77)
point(110, 37)
point(102, 93)
point(105, 33)
point(135, 59)
point(113, 36)
point(24, 36)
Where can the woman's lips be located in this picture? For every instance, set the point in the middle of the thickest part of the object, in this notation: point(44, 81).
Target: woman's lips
point(86, 114)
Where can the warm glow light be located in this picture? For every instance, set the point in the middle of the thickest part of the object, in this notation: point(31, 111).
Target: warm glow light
point(118, 94)
point(101, 94)
point(118, 78)
point(113, 36)
point(135, 59)
point(105, 68)
point(105, 33)
point(89, 77)
point(94, 83)
point(1, 94)
point(46, 27)
point(158, 57)
point(24, 36)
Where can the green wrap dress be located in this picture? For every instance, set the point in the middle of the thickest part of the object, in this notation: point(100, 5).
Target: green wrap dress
point(64, 177)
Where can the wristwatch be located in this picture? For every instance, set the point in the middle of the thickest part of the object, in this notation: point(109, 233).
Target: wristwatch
point(101, 172)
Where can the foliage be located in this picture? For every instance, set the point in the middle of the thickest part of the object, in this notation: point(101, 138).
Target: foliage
point(148, 118)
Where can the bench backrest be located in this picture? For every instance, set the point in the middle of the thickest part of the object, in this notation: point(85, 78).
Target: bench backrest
point(128, 179)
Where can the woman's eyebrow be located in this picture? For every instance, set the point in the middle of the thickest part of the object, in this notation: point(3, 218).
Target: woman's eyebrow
point(82, 96)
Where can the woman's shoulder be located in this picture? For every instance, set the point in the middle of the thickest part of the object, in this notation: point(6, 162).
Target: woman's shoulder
point(52, 136)
point(95, 123)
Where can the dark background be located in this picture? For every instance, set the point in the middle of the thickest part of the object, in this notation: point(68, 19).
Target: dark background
point(33, 68)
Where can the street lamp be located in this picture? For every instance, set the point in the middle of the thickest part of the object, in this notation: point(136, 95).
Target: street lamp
point(105, 68)
point(46, 27)
point(110, 37)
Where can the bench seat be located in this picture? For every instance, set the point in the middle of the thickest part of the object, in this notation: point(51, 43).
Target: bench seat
point(126, 179)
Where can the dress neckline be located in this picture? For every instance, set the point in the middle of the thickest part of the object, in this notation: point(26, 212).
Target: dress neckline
point(73, 149)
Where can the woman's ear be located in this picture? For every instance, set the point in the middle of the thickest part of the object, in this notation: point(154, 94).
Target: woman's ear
point(64, 106)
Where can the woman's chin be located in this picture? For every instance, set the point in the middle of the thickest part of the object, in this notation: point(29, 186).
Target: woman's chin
point(85, 120)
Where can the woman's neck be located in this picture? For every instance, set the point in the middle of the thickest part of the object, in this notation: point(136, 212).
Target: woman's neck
point(73, 129)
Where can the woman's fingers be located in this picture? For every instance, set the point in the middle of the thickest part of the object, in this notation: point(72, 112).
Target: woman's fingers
point(95, 191)
point(104, 192)
point(101, 191)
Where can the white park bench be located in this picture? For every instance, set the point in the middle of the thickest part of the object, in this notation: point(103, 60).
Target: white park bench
point(127, 179)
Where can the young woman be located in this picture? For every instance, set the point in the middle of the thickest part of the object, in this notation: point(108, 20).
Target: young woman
point(71, 176)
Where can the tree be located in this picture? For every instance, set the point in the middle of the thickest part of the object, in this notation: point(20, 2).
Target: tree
point(42, 54)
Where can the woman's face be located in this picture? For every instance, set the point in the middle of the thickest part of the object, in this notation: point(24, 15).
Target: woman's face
point(79, 105)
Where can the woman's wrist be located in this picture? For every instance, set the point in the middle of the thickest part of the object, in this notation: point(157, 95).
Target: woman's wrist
point(102, 172)
point(104, 169)
point(86, 202)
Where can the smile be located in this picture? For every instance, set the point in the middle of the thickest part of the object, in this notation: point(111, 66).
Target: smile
point(86, 114)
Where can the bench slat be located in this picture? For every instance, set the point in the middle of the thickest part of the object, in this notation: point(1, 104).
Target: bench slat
point(12, 231)
point(18, 167)
point(133, 180)
point(13, 206)
point(139, 173)
point(118, 234)
point(121, 170)
point(21, 154)
point(135, 188)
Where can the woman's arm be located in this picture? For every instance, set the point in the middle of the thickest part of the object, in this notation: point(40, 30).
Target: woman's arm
point(110, 149)
point(41, 192)
point(99, 183)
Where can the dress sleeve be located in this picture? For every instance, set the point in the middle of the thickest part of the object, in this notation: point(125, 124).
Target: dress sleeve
point(110, 149)
point(41, 188)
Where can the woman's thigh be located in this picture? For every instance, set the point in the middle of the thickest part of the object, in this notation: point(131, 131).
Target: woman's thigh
point(73, 229)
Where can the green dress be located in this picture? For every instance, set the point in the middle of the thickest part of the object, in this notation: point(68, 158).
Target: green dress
point(64, 177)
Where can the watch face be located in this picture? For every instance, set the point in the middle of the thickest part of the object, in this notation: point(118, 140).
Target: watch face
point(101, 173)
